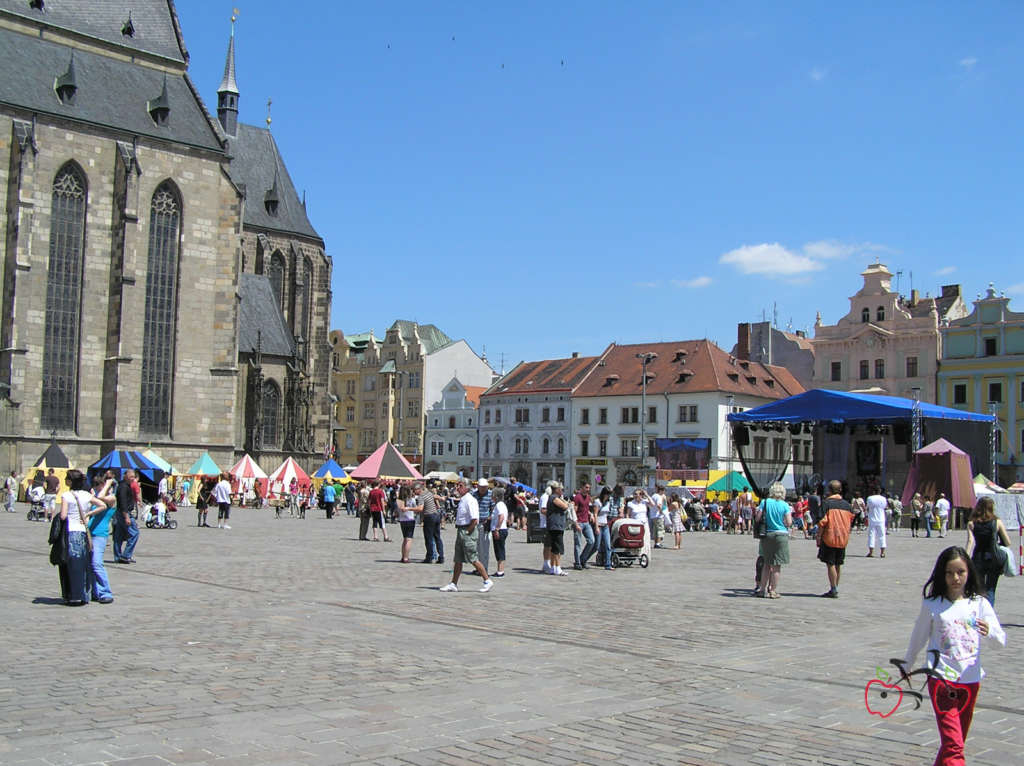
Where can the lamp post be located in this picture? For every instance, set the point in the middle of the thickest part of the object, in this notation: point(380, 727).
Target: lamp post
point(728, 438)
point(645, 359)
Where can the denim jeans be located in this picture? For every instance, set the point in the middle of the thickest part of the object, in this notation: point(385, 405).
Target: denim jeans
point(127, 536)
point(100, 581)
point(483, 544)
point(605, 543)
point(585, 532)
point(432, 536)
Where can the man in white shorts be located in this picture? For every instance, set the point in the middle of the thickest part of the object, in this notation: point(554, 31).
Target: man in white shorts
point(877, 504)
point(543, 524)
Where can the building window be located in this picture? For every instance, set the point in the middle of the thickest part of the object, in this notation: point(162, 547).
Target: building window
point(584, 447)
point(545, 414)
point(911, 366)
point(350, 387)
point(63, 300)
point(526, 446)
point(585, 415)
point(487, 446)
point(652, 447)
point(865, 315)
point(560, 415)
point(807, 452)
point(602, 416)
point(561, 446)
point(497, 416)
point(880, 314)
point(271, 414)
point(519, 447)
point(652, 414)
point(275, 272)
point(624, 448)
point(414, 380)
point(370, 383)
point(413, 410)
point(368, 410)
point(350, 414)
point(383, 409)
point(995, 392)
point(959, 393)
point(879, 368)
point(864, 369)
point(630, 414)
point(487, 417)
point(497, 446)
point(634, 447)
point(451, 421)
point(602, 447)
point(161, 310)
point(544, 446)
point(837, 371)
point(461, 449)
point(761, 446)
point(990, 347)
point(469, 449)
point(522, 414)
point(778, 448)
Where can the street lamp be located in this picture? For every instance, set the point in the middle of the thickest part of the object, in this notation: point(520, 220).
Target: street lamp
point(645, 359)
point(728, 439)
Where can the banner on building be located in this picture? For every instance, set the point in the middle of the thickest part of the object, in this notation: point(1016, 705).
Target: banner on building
point(684, 459)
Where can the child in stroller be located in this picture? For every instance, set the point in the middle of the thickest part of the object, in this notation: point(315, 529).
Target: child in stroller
point(37, 496)
point(157, 516)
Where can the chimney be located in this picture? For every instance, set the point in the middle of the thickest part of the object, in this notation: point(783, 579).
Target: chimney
point(950, 291)
point(743, 340)
point(915, 296)
point(575, 354)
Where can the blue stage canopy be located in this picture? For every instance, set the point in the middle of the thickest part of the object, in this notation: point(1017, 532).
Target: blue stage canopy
point(823, 406)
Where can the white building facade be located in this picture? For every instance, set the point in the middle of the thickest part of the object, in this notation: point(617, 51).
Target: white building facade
point(452, 431)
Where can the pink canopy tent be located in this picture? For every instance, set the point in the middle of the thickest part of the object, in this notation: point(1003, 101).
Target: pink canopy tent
point(281, 479)
point(246, 474)
point(941, 467)
point(385, 463)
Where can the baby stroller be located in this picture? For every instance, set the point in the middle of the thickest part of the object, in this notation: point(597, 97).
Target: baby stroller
point(153, 516)
point(631, 541)
point(37, 509)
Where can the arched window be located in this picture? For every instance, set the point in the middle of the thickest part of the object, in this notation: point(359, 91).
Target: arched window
point(63, 299)
point(880, 314)
point(526, 446)
point(865, 315)
point(561, 446)
point(544, 446)
point(497, 446)
point(271, 414)
point(276, 274)
point(519, 446)
point(487, 446)
point(307, 301)
point(161, 310)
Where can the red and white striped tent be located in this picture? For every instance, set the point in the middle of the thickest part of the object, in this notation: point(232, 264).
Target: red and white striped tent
point(281, 478)
point(247, 468)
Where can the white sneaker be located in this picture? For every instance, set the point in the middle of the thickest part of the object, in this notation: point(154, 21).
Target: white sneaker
point(450, 588)
point(488, 584)
point(220, 525)
point(226, 527)
point(546, 569)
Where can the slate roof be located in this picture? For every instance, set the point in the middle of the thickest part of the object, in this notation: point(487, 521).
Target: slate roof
point(689, 366)
point(111, 92)
point(155, 22)
point(259, 312)
point(546, 375)
point(430, 336)
point(254, 163)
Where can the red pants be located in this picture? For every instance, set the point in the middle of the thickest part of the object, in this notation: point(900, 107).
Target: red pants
point(954, 708)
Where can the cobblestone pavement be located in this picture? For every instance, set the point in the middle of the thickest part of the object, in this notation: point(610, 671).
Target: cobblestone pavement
point(287, 641)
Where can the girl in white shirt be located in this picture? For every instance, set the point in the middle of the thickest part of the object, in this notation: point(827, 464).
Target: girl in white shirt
point(499, 529)
point(954, 618)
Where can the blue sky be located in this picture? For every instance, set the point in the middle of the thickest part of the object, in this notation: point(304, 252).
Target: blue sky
point(546, 177)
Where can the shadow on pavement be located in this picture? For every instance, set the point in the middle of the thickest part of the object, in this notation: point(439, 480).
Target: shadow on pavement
point(48, 600)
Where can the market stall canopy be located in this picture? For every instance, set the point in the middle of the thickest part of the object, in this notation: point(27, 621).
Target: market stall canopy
point(330, 470)
point(822, 405)
point(452, 476)
point(246, 468)
point(281, 479)
point(733, 480)
point(204, 466)
point(54, 458)
point(991, 488)
point(386, 462)
point(121, 460)
point(941, 467)
point(158, 461)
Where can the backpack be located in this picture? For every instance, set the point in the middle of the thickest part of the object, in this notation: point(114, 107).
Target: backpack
point(835, 535)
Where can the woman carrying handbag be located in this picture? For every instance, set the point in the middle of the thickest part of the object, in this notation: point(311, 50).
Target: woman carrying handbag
point(74, 571)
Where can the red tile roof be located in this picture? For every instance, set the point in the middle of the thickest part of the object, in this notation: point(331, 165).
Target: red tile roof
point(473, 394)
point(688, 366)
point(545, 375)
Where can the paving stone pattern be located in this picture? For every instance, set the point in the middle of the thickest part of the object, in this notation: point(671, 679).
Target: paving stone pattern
point(287, 641)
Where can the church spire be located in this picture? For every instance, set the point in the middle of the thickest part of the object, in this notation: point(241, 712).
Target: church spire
point(227, 93)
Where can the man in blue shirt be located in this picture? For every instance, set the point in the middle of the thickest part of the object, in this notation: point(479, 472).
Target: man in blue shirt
point(486, 504)
point(329, 499)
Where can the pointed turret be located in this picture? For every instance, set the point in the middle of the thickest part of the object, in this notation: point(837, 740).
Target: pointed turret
point(227, 93)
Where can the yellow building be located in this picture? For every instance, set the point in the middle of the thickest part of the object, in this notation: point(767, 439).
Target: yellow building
point(982, 370)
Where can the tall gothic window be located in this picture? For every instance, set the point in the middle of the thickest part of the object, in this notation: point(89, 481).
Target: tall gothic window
point(276, 274)
point(271, 414)
point(63, 299)
point(161, 310)
point(307, 300)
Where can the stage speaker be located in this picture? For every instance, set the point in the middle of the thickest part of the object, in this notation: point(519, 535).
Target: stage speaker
point(741, 435)
point(901, 433)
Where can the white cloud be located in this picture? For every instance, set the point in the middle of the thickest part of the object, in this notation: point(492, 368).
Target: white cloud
point(696, 282)
point(945, 270)
point(968, 62)
point(775, 260)
point(818, 73)
point(646, 285)
point(1016, 289)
